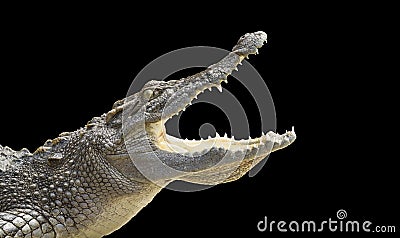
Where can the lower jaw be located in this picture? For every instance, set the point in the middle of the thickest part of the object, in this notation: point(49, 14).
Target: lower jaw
point(173, 144)
point(266, 143)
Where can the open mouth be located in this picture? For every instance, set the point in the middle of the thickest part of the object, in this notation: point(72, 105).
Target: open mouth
point(166, 142)
point(186, 90)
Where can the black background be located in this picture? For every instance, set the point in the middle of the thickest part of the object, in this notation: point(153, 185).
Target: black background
point(328, 73)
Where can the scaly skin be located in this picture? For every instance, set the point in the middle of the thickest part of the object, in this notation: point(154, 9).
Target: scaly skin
point(90, 182)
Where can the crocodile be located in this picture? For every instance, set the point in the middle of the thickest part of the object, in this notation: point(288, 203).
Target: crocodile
point(90, 182)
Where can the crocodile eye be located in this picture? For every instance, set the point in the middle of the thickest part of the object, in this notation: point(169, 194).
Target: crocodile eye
point(147, 93)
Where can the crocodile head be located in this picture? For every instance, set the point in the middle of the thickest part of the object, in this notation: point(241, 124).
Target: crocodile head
point(148, 150)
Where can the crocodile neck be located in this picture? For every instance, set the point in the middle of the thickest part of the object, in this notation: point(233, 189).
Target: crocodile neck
point(80, 195)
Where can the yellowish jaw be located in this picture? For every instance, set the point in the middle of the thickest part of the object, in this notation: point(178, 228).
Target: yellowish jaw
point(172, 144)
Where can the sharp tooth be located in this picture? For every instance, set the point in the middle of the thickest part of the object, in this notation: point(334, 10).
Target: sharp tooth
point(293, 129)
point(184, 109)
point(236, 69)
point(217, 135)
point(240, 63)
point(247, 57)
point(219, 87)
point(256, 52)
point(225, 80)
point(209, 89)
point(233, 138)
point(225, 135)
point(209, 137)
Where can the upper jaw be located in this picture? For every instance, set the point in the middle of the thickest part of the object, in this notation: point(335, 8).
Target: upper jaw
point(187, 89)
